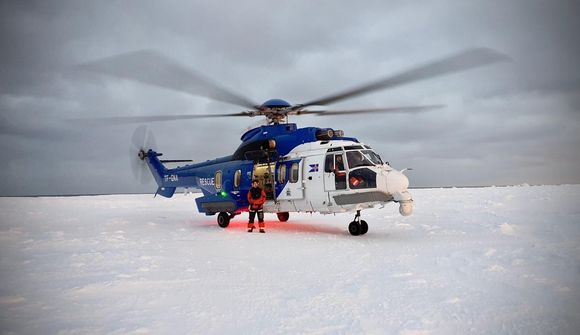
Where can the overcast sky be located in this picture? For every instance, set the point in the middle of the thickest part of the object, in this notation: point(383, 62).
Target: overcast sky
point(510, 123)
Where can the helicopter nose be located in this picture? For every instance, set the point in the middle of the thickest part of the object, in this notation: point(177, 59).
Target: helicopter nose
point(397, 184)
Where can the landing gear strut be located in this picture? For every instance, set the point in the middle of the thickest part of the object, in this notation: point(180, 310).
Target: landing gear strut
point(358, 226)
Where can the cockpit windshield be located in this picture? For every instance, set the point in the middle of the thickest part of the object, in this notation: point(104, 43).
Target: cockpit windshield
point(373, 157)
point(358, 158)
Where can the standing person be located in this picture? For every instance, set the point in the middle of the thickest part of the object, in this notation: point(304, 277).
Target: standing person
point(256, 198)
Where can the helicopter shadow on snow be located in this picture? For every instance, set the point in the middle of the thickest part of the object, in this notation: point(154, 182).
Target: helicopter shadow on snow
point(274, 227)
point(297, 227)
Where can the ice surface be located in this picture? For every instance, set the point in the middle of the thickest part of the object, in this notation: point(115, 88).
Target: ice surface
point(492, 260)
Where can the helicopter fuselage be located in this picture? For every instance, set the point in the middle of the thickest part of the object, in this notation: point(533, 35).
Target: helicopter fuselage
point(301, 170)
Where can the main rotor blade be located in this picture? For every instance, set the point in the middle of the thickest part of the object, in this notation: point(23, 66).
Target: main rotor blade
point(153, 68)
point(465, 60)
point(115, 120)
point(406, 109)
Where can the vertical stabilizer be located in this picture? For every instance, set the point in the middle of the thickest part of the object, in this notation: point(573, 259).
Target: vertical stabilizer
point(159, 171)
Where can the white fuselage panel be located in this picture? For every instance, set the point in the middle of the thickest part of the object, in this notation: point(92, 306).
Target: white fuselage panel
point(310, 194)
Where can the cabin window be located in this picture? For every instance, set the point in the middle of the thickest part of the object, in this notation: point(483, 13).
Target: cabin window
point(218, 180)
point(338, 163)
point(237, 178)
point(294, 173)
point(329, 163)
point(282, 173)
point(339, 172)
point(362, 178)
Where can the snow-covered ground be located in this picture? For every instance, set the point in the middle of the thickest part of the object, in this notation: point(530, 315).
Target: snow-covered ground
point(482, 260)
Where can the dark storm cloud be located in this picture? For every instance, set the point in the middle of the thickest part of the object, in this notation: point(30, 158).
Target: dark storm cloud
point(511, 123)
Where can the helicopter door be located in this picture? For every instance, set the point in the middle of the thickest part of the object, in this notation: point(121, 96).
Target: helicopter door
point(294, 188)
point(312, 176)
point(264, 173)
point(334, 172)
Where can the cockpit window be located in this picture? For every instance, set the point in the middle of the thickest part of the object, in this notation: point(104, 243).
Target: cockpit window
point(356, 159)
point(376, 159)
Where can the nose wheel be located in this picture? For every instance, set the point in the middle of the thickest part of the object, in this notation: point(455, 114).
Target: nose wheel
point(358, 226)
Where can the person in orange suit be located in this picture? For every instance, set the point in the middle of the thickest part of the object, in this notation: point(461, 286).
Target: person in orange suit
point(256, 198)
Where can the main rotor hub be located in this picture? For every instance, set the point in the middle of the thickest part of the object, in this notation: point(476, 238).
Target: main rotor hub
point(276, 104)
point(275, 110)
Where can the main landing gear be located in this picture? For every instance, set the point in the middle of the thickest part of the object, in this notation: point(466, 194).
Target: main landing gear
point(358, 226)
point(223, 219)
point(283, 216)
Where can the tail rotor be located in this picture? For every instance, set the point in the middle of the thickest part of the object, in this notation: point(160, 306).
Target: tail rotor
point(141, 141)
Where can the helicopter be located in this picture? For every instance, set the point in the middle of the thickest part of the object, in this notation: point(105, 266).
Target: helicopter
point(308, 169)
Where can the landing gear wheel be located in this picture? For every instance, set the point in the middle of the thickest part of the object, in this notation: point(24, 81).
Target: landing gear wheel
point(364, 227)
point(283, 216)
point(358, 226)
point(354, 228)
point(223, 219)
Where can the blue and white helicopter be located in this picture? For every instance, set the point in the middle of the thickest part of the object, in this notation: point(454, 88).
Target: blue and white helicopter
point(307, 169)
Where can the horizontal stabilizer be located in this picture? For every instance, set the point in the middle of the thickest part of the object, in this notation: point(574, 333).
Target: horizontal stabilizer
point(165, 191)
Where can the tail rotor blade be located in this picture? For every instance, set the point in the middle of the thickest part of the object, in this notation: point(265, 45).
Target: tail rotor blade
point(138, 138)
point(150, 142)
point(139, 168)
point(141, 140)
